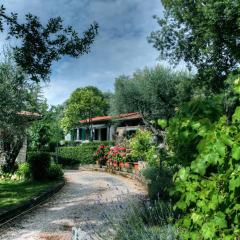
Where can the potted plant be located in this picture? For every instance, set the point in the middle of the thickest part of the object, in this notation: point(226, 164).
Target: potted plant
point(136, 166)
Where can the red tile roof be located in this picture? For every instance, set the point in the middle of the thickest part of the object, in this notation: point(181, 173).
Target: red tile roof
point(123, 116)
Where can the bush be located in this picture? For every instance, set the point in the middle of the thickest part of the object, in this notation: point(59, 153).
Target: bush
point(24, 171)
point(142, 221)
point(82, 154)
point(101, 154)
point(160, 181)
point(142, 146)
point(209, 188)
point(184, 130)
point(39, 163)
point(55, 172)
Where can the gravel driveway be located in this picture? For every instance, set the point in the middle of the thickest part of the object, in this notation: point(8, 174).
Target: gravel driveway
point(81, 203)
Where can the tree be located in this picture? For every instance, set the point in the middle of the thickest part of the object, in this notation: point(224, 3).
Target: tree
point(204, 34)
point(84, 103)
point(46, 133)
point(41, 45)
point(155, 93)
point(15, 96)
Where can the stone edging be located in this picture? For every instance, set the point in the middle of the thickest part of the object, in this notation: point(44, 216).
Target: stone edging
point(133, 176)
point(12, 211)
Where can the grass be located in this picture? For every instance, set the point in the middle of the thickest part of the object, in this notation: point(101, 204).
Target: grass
point(16, 192)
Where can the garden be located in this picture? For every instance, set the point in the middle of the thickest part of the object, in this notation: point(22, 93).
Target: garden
point(188, 151)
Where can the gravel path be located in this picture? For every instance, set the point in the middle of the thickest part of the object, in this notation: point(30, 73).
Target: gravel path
point(81, 203)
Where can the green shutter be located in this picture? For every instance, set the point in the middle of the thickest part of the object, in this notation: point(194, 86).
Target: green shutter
point(83, 134)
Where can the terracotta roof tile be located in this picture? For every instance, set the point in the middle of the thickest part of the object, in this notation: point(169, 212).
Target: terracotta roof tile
point(123, 116)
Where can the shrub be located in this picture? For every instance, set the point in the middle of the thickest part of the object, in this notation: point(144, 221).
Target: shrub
point(82, 154)
point(142, 221)
point(184, 130)
point(24, 171)
point(39, 163)
point(55, 172)
point(117, 153)
point(101, 154)
point(209, 188)
point(159, 181)
point(142, 145)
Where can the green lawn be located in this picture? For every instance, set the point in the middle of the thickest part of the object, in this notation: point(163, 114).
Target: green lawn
point(14, 192)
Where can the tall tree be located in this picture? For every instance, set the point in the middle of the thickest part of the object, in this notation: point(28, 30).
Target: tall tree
point(84, 103)
point(155, 93)
point(204, 34)
point(41, 45)
point(15, 96)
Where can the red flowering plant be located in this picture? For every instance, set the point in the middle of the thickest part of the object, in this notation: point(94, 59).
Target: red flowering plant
point(117, 154)
point(101, 155)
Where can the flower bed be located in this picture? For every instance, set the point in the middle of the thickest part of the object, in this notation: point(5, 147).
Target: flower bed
point(115, 158)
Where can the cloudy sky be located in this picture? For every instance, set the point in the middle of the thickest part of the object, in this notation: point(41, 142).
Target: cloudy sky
point(120, 48)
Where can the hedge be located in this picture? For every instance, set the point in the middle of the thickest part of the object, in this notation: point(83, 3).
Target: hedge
point(39, 164)
point(82, 154)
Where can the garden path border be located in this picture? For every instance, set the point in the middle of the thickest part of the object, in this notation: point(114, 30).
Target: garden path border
point(12, 212)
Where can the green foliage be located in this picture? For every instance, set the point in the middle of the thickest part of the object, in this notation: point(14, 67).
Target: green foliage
point(23, 171)
point(155, 93)
point(84, 103)
point(82, 154)
point(143, 221)
point(162, 123)
point(186, 129)
point(16, 95)
point(209, 187)
point(39, 136)
point(231, 96)
point(159, 181)
point(41, 45)
point(39, 164)
point(45, 134)
point(203, 34)
point(55, 172)
point(142, 147)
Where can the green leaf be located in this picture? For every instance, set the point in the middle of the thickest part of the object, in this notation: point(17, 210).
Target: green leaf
point(208, 230)
point(181, 205)
point(220, 148)
point(196, 218)
point(236, 115)
point(196, 125)
point(162, 123)
point(183, 173)
point(220, 220)
point(199, 167)
point(234, 183)
point(236, 152)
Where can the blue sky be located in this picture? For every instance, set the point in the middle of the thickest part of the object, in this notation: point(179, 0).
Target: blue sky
point(120, 48)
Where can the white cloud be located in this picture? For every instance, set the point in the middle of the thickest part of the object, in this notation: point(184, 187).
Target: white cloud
point(120, 48)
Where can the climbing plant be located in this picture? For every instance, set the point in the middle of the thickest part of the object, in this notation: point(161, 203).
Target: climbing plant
point(209, 187)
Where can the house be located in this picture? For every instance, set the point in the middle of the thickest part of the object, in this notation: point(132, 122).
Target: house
point(106, 128)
